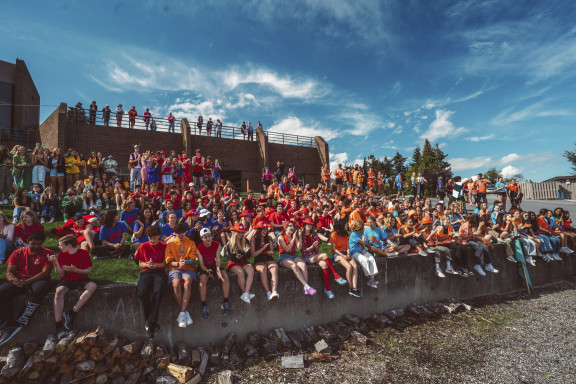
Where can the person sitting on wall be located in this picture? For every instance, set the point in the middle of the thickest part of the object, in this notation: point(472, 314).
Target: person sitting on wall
point(28, 274)
point(73, 265)
point(150, 257)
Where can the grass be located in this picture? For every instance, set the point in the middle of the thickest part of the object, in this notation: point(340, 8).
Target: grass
point(111, 270)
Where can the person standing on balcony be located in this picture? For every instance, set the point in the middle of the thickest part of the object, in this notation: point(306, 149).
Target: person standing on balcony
point(279, 170)
point(243, 129)
point(106, 115)
point(147, 117)
point(199, 124)
point(132, 113)
point(250, 131)
point(171, 120)
point(119, 114)
point(218, 128)
point(93, 110)
point(259, 126)
point(209, 125)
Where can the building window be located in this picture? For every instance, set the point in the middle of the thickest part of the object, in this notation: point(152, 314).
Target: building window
point(6, 98)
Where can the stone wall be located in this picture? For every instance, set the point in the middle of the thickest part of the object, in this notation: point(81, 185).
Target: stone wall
point(403, 280)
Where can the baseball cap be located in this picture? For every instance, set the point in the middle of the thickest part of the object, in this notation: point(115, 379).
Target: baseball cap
point(204, 212)
point(205, 231)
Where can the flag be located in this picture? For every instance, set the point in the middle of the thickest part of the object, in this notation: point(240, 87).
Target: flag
point(519, 253)
point(457, 193)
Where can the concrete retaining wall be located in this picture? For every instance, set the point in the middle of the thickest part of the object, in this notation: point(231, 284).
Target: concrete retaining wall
point(403, 280)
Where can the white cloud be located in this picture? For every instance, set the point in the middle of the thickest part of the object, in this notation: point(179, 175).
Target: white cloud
point(284, 85)
point(337, 158)
point(442, 127)
point(389, 145)
point(294, 126)
point(510, 171)
point(244, 99)
point(463, 164)
point(510, 158)
point(536, 110)
point(476, 139)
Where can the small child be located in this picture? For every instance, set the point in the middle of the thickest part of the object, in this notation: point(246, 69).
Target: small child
point(35, 195)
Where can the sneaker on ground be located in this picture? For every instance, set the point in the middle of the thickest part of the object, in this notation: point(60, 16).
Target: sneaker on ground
point(268, 295)
point(490, 268)
point(252, 296)
point(68, 317)
point(205, 312)
point(422, 253)
point(245, 297)
point(189, 320)
point(329, 294)
point(479, 270)
point(9, 333)
point(341, 281)
point(274, 296)
point(511, 258)
point(461, 272)
point(181, 320)
point(42, 220)
point(52, 220)
point(226, 308)
point(439, 273)
point(355, 293)
point(393, 254)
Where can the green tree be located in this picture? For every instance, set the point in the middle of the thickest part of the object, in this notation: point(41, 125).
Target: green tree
point(493, 174)
point(571, 157)
point(399, 163)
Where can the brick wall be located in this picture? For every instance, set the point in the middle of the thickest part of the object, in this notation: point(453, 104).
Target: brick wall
point(25, 93)
point(245, 158)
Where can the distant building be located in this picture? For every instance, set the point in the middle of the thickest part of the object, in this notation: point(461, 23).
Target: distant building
point(19, 98)
point(562, 179)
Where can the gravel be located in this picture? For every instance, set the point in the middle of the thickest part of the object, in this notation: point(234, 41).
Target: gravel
point(515, 338)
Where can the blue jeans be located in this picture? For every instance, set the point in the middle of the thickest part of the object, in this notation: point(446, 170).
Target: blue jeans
point(16, 213)
point(560, 194)
point(49, 211)
point(171, 127)
point(6, 248)
point(38, 174)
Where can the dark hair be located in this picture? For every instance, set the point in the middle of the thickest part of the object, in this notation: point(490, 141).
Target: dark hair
point(38, 235)
point(180, 228)
point(109, 217)
point(142, 218)
point(340, 227)
point(153, 231)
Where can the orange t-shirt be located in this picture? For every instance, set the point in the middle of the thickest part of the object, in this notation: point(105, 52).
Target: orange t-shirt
point(339, 242)
point(339, 173)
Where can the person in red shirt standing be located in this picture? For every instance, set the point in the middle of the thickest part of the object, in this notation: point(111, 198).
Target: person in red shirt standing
point(132, 113)
point(28, 274)
point(150, 257)
point(73, 265)
point(198, 169)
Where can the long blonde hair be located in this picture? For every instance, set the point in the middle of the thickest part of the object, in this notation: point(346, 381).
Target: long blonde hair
point(233, 243)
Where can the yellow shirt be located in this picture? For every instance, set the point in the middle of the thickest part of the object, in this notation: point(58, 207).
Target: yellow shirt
point(181, 250)
point(72, 163)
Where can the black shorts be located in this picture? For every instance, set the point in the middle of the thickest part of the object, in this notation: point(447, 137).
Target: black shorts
point(262, 258)
point(501, 193)
point(73, 284)
point(339, 182)
point(211, 268)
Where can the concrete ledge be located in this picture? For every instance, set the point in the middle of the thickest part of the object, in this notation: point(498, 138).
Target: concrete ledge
point(403, 280)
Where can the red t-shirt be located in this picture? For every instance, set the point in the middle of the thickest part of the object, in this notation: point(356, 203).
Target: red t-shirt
point(28, 266)
point(24, 233)
point(147, 252)
point(278, 218)
point(80, 258)
point(324, 222)
point(208, 254)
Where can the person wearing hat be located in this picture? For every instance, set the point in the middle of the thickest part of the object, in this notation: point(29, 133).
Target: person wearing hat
point(238, 252)
point(135, 166)
point(209, 266)
point(181, 257)
point(289, 240)
point(311, 255)
point(262, 248)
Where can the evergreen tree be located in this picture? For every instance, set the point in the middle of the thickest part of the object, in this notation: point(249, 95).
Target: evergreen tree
point(398, 163)
point(571, 157)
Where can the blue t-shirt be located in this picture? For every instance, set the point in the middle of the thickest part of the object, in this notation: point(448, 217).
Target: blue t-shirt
point(374, 237)
point(219, 226)
point(130, 217)
point(454, 218)
point(387, 234)
point(166, 213)
point(142, 238)
point(353, 240)
point(113, 234)
point(500, 187)
point(166, 230)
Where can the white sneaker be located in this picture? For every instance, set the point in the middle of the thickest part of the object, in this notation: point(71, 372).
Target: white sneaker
point(118, 208)
point(181, 320)
point(490, 268)
point(274, 296)
point(42, 220)
point(245, 297)
point(546, 257)
point(189, 320)
point(393, 254)
point(531, 261)
point(566, 250)
point(53, 219)
point(556, 256)
point(422, 253)
point(439, 273)
point(451, 271)
point(479, 270)
point(252, 296)
point(268, 295)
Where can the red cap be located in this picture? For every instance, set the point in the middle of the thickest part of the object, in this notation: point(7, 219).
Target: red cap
point(426, 220)
point(308, 221)
point(261, 225)
point(238, 227)
point(191, 212)
point(246, 214)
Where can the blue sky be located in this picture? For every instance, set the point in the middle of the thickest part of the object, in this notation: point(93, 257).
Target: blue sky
point(492, 82)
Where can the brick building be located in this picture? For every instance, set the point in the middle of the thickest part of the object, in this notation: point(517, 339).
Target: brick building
point(19, 104)
point(242, 161)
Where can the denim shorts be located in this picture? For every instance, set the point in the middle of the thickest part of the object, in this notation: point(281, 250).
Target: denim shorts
point(54, 173)
point(181, 274)
point(287, 256)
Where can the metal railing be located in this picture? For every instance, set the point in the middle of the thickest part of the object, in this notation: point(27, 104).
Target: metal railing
point(82, 116)
point(10, 136)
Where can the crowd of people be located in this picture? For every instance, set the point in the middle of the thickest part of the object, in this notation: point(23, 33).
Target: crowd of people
point(175, 213)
